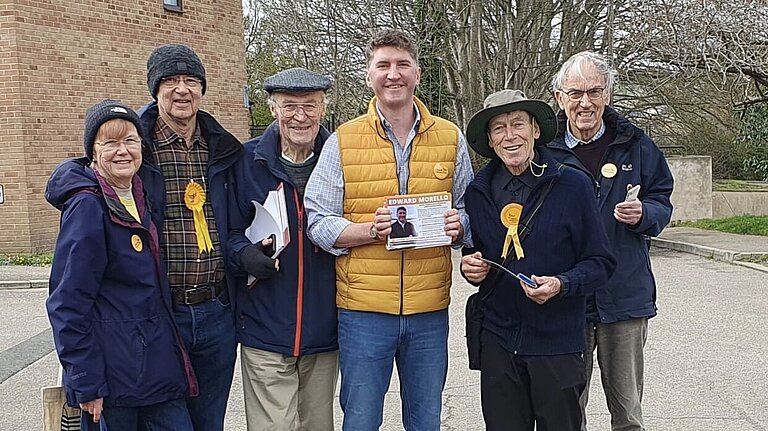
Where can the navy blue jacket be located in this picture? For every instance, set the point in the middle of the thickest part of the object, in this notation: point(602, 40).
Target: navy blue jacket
point(566, 241)
point(294, 311)
point(224, 172)
point(109, 304)
point(631, 292)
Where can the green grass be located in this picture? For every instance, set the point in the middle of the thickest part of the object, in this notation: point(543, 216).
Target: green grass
point(745, 225)
point(35, 259)
point(739, 186)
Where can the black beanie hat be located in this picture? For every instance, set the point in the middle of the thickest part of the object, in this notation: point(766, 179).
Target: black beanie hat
point(173, 59)
point(99, 114)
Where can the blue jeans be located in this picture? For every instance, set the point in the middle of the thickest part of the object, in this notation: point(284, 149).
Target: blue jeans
point(368, 345)
point(208, 331)
point(167, 416)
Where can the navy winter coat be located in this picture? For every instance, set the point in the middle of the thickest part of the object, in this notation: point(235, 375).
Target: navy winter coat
point(224, 172)
point(109, 304)
point(294, 311)
point(566, 240)
point(631, 292)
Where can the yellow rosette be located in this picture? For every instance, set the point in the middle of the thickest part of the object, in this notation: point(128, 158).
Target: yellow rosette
point(194, 198)
point(510, 218)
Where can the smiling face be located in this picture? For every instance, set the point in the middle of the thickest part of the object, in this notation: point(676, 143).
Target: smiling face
point(179, 97)
point(585, 115)
point(393, 75)
point(511, 136)
point(401, 215)
point(117, 152)
point(298, 115)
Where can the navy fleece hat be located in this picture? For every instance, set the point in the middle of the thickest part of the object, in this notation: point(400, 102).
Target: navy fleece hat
point(99, 114)
point(170, 60)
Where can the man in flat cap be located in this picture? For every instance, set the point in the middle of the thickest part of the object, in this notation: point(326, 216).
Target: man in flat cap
point(287, 316)
point(190, 161)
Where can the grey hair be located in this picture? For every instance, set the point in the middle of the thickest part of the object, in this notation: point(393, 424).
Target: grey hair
point(575, 64)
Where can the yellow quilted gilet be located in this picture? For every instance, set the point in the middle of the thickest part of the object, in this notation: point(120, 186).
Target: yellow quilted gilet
point(370, 278)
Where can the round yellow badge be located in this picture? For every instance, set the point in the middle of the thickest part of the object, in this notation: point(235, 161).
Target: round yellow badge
point(441, 172)
point(609, 170)
point(136, 243)
point(510, 215)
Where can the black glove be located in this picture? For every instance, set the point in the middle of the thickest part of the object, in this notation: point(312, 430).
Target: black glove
point(255, 262)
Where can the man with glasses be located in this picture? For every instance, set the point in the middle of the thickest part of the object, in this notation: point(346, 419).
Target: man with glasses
point(287, 317)
point(190, 161)
point(595, 138)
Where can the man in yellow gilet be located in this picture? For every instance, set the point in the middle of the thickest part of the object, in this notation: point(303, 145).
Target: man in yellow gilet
point(393, 305)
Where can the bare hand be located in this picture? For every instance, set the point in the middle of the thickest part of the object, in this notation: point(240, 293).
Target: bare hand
point(453, 227)
point(548, 287)
point(474, 269)
point(94, 408)
point(629, 213)
point(382, 222)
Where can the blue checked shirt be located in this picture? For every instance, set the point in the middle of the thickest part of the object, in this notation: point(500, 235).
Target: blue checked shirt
point(324, 197)
point(572, 141)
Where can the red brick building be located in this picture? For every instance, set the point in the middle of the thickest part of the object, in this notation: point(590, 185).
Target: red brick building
point(57, 57)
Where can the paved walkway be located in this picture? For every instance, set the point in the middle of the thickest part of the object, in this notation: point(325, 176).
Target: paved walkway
point(686, 385)
point(720, 246)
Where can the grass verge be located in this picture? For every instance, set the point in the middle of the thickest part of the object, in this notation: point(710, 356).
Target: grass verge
point(745, 225)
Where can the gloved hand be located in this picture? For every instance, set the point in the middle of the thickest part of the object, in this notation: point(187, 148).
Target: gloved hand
point(255, 262)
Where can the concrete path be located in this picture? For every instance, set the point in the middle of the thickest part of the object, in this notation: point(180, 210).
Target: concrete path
point(706, 361)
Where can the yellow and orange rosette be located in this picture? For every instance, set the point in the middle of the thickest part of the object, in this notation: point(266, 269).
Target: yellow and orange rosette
point(194, 198)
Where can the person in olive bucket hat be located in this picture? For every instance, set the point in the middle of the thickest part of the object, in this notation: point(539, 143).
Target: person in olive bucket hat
point(537, 218)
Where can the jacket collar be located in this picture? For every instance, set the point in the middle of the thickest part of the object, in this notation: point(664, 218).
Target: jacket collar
point(268, 145)
point(483, 178)
point(221, 143)
point(612, 121)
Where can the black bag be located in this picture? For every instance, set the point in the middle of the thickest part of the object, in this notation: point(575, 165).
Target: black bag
point(475, 308)
point(474, 326)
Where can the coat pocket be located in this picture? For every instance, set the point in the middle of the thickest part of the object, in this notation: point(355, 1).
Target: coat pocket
point(124, 345)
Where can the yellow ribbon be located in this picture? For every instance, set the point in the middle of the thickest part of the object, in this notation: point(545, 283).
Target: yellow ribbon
point(194, 198)
point(510, 218)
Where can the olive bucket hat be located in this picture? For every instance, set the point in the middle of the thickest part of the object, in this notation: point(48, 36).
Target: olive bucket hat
point(508, 101)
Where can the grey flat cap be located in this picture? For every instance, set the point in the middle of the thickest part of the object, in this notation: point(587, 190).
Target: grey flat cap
point(297, 80)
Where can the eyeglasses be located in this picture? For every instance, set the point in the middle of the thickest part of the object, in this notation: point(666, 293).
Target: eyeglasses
point(174, 81)
point(291, 109)
point(592, 93)
point(112, 146)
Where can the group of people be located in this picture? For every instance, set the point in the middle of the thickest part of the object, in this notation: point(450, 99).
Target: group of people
point(154, 282)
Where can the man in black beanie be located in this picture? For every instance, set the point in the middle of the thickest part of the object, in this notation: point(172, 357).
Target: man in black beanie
point(189, 162)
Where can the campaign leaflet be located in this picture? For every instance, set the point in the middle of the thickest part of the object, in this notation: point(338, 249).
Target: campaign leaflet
point(418, 221)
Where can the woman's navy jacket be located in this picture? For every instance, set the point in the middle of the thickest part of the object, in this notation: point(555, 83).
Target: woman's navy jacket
point(109, 304)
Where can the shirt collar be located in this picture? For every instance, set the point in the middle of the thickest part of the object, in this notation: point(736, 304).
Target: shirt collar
point(387, 126)
point(167, 136)
point(572, 141)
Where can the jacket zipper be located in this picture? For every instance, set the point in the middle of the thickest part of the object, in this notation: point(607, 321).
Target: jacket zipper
point(300, 289)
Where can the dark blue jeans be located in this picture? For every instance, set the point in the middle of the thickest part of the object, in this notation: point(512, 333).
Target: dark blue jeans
point(369, 343)
point(167, 416)
point(208, 331)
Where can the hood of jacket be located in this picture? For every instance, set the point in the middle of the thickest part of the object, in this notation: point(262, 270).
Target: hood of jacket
point(69, 177)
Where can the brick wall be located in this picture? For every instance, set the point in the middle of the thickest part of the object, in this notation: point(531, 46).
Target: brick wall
point(57, 57)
